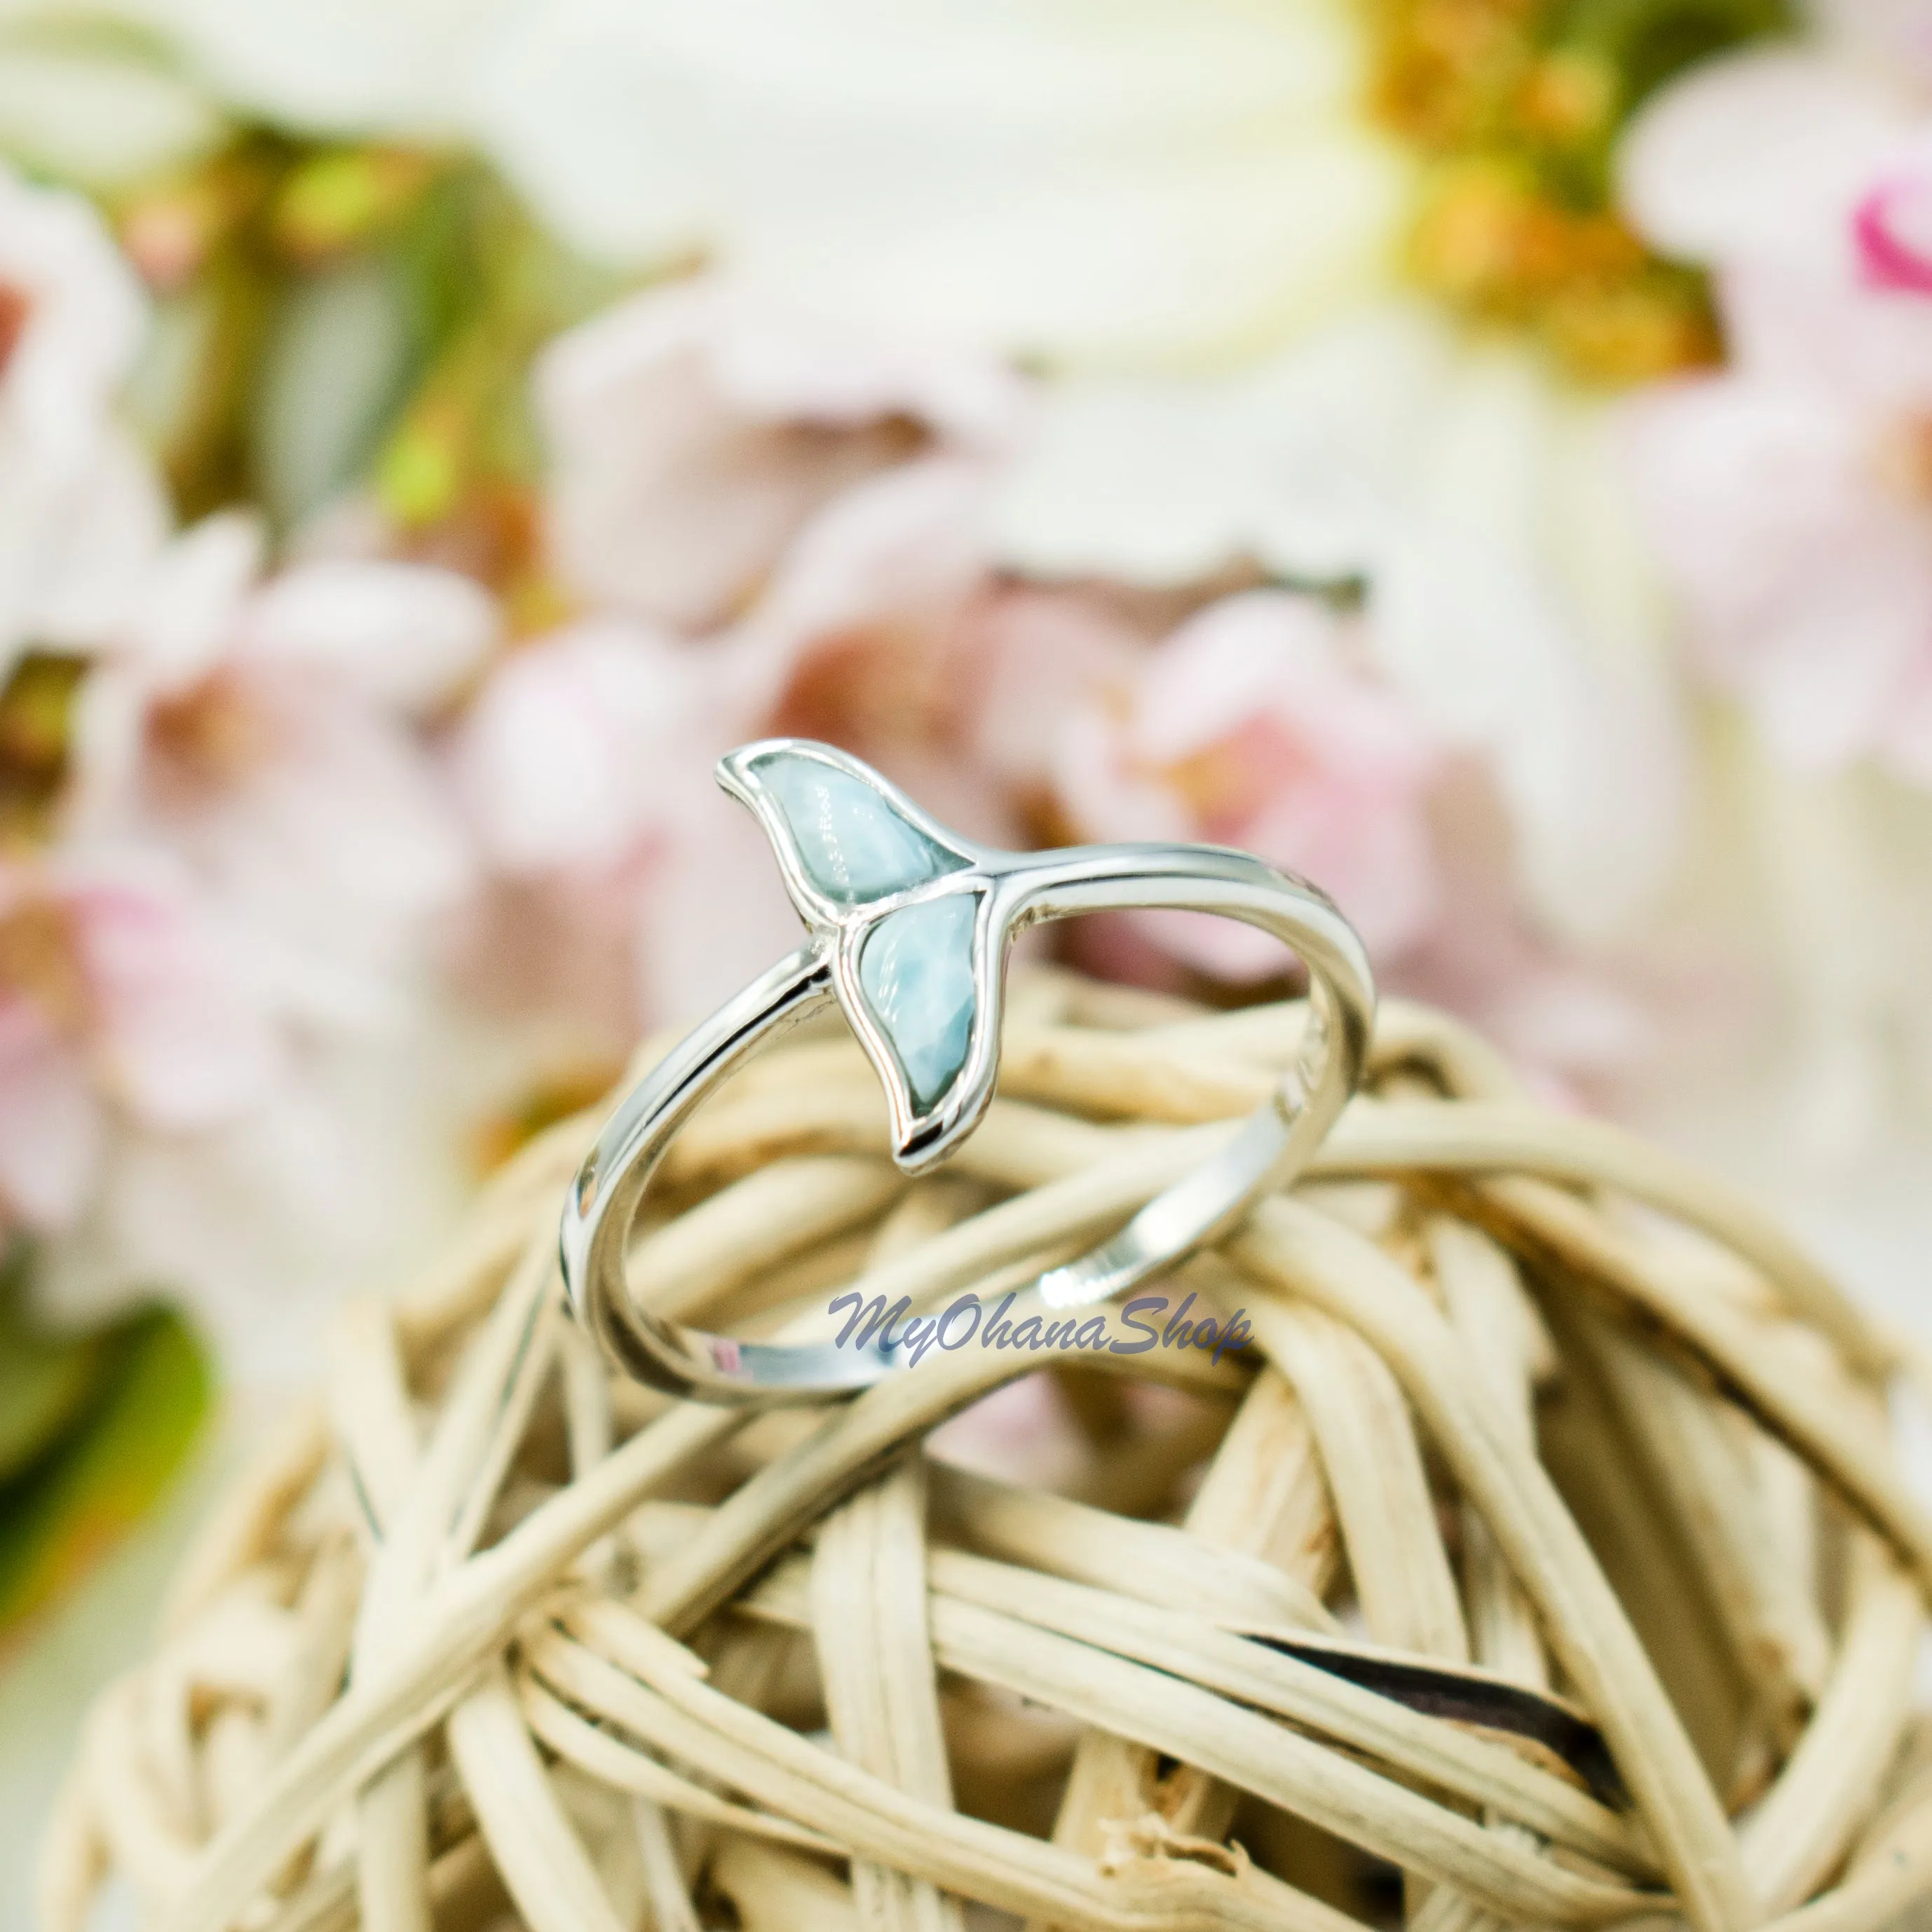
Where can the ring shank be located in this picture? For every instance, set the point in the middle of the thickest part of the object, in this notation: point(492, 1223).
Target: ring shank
point(1274, 1144)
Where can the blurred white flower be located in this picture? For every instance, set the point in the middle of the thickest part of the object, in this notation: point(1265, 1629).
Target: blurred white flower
point(611, 135)
point(1471, 499)
point(355, 68)
point(84, 99)
point(265, 732)
point(1162, 179)
point(349, 1170)
point(82, 512)
point(1172, 178)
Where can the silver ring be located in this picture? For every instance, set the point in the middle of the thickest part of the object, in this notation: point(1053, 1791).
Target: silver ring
point(907, 927)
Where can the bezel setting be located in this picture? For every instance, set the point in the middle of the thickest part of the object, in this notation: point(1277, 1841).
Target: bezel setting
point(921, 1138)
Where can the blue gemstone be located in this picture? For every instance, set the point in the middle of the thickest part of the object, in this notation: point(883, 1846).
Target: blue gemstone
point(916, 969)
point(852, 844)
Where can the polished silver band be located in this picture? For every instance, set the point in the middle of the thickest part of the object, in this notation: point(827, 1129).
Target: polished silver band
point(829, 838)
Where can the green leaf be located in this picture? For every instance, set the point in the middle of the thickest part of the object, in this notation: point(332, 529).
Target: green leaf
point(44, 1385)
point(45, 1380)
point(151, 1391)
point(338, 364)
point(1649, 42)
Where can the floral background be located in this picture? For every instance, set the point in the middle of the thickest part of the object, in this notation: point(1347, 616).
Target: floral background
point(1476, 452)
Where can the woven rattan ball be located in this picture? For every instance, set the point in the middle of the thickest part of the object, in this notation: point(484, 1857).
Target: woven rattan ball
point(1541, 1556)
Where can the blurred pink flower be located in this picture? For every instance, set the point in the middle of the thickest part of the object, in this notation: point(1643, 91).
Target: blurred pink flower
point(623, 886)
point(562, 760)
point(1039, 652)
point(1892, 226)
point(121, 995)
point(692, 439)
point(777, 532)
point(1252, 725)
point(780, 533)
point(1572, 1022)
point(1791, 495)
point(229, 1044)
point(867, 636)
point(1263, 720)
point(584, 765)
point(268, 733)
point(81, 510)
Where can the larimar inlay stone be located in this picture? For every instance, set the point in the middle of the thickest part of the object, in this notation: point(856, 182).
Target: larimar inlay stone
point(916, 969)
point(851, 843)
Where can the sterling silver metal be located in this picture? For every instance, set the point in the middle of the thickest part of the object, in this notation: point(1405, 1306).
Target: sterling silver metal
point(1013, 890)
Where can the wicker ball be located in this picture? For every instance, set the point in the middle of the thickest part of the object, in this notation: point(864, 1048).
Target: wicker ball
point(1539, 1555)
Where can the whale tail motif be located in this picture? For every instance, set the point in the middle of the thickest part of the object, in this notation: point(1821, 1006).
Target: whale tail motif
point(905, 910)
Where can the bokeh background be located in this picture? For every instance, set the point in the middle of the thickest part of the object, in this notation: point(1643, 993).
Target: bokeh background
point(1476, 452)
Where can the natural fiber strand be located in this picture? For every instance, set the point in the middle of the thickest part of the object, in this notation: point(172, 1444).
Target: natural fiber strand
point(1545, 1546)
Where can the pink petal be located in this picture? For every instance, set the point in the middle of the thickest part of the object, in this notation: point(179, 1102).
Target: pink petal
point(571, 750)
point(1749, 489)
point(1825, 673)
point(342, 834)
point(692, 439)
point(1220, 668)
point(187, 613)
point(404, 636)
point(1907, 737)
point(1221, 948)
point(793, 366)
point(666, 499)
point(1811, 585)
point(1867, 347)
point(1251, 725)
point(184, 1038)
point(1107, 796)
point(561, 945)
point(50, 1125)
point(1033, 657)
point(1760, 155)
point(1370, 848)
point(713, 914)
point(1893, 226)
point(580, 372)
point(901, 551)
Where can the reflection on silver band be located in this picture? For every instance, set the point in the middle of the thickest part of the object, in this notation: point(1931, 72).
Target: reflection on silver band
point(907, 928)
